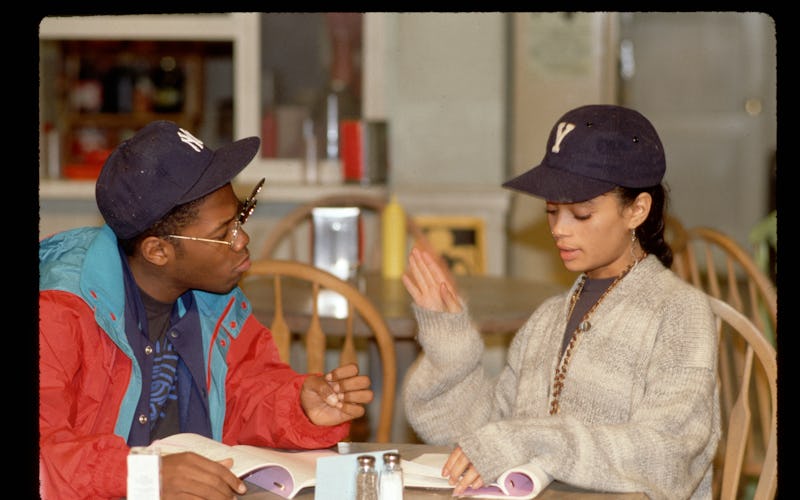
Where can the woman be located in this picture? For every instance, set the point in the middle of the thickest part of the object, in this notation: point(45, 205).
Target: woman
point(610, 386)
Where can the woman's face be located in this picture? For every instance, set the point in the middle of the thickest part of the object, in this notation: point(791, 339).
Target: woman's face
point(593, 236)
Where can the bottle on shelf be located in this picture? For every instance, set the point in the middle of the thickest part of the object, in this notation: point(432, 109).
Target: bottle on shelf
point(339, 99)
point(269, 124)
point(118, 85)
point(143, 89)
point(168, 81)
point(86, 95)
point(52, 150)
point(310, 167)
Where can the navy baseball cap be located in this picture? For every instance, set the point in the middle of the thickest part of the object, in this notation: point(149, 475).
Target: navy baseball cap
point(160, 167)
point(591, 150)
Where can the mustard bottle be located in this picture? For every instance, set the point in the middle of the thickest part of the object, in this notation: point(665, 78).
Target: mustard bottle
point(393, 239)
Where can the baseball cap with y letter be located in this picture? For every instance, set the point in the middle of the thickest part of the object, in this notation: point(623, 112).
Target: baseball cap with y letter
point(160, 167)
point(590, 151)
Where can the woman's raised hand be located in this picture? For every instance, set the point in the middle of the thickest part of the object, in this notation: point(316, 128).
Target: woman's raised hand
point(428, 283)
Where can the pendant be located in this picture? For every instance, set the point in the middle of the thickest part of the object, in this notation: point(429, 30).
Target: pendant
point(584, 326)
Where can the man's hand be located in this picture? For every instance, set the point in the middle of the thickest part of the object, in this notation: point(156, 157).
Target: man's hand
point(338, 397)
point(189, 475)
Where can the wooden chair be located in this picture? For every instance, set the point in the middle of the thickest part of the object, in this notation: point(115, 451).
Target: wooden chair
point(740, 338)
point(291, 237)
point(362, 322)
point(715, 263)
point(459, 239)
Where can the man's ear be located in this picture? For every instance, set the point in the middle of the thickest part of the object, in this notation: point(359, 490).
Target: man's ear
point(156, 250)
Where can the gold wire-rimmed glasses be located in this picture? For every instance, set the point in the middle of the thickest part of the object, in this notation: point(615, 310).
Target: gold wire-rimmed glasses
point(248, 206)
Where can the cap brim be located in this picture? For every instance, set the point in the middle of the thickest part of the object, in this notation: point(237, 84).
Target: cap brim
point(228, 161)
point(558, 185)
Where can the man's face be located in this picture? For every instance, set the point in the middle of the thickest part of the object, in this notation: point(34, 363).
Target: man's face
point(212, 266)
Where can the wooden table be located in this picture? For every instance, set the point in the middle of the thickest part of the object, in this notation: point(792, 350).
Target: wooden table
point(555, 491)
point(498, 305)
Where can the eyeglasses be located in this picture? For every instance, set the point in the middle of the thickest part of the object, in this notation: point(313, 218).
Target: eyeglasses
point(245, 211)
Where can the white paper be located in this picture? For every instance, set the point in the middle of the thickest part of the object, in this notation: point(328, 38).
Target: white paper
point(425, 471)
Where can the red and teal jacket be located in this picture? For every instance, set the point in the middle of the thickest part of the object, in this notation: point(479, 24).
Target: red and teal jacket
point(90, 381)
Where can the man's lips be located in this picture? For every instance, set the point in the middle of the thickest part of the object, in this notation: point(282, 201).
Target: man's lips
point(243, 266)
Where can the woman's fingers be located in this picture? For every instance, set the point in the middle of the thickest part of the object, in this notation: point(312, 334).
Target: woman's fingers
point(468, 479)
point(428, 284)
point(451, 301)
point(420, 284)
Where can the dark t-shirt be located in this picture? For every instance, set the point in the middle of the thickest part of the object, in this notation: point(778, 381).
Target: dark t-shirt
point(592, 290)
point(163, 395)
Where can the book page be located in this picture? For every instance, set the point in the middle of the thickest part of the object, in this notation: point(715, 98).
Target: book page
point(284, 472)
point(523, 482)
point(425, 471)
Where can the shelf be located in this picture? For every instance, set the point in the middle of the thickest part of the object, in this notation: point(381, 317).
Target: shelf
point(108, 89)
point(284, 175)
point(123, 120)
point(143, 27)
point(273, 192)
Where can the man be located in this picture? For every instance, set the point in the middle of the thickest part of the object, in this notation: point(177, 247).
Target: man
point(144, 333)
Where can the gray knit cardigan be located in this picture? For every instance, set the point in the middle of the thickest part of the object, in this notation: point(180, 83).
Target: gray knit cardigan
point(639, 406)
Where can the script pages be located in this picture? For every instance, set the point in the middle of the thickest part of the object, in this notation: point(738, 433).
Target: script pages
point(522, 482)
point(282, 472)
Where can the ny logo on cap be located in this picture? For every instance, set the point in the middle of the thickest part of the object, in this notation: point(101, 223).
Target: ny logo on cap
point(191, 140)
point(564, 128)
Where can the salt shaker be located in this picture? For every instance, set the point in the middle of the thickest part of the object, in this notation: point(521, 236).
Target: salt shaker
point(366, 478)
point(391, 478)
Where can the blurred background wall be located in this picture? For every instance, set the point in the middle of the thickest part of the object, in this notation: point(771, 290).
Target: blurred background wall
point(469, 99)
point(472, 98)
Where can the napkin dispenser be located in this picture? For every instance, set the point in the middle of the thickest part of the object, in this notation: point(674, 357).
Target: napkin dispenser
point(336, 249)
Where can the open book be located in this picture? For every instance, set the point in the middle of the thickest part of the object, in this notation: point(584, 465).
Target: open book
point(524, 481)
point(282, 472)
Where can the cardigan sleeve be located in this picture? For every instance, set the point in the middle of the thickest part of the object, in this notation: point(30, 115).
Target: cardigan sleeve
point(447, 375)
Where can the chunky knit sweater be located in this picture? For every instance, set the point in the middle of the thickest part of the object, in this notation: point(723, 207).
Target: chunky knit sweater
point(639, 409)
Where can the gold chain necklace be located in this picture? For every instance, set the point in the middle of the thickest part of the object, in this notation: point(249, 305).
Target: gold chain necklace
point(584, 325)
